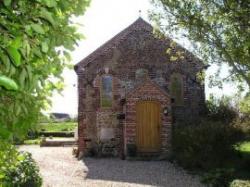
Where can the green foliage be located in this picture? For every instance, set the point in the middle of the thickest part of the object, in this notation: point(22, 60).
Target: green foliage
point(8, 83)
point(35, 40)
point(240, 183)
point(60, 129)
point(245, 147)
point(218, 177)
point(32, 142)
point(244, 152)
point(244, 125)
point(14, 55)
point(24, 173)
point(8, 155)
point(221, 110)
point(214, 144)
point(245, 106)
point(218, 30)
point(194, 146)
point(17, 169)
point(57, 127)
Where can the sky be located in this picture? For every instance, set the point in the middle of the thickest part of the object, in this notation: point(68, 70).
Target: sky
point(102, 21)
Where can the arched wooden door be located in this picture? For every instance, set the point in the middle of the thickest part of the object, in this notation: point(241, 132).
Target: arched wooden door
point(148, 126)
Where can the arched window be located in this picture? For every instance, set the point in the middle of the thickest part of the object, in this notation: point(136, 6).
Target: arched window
point(176, 89)
point(106, 91)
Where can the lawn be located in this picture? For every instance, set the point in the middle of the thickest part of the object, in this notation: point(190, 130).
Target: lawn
point(52, 129)
point(57, 127)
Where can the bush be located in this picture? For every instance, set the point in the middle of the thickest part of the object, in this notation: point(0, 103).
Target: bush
point(206, 145)
point(244, 124)
point(245, 106)
point(32, 134)
point(240, 183)
point(18, 169)
point(220, 110)
point(243, 149)
point(218, 177)
point(8, 155)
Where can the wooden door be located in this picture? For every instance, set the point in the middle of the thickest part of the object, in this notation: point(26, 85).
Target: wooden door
point(148, 126)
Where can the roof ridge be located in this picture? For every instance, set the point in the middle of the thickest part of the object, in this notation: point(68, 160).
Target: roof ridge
point(136, 25)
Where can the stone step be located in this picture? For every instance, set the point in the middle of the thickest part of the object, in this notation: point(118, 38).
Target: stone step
point(57, 142)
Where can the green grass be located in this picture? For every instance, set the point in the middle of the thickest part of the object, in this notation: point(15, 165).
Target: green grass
point(57, 127)
point(32, 142)
point(50, 127)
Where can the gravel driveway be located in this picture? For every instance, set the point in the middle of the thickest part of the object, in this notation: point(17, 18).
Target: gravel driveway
point(59, 168)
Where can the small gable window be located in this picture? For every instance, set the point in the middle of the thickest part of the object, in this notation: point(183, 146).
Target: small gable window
point(106, 91)
point(176, 89)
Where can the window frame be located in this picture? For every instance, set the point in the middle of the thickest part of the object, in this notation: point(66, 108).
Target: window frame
point(101, 91)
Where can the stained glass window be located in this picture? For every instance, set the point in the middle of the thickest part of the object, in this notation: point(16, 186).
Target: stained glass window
point(106, 91)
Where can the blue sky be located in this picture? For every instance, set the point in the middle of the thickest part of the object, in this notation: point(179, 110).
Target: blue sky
point(102, 21)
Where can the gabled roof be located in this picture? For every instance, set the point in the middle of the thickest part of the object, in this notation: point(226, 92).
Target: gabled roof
point(139, 24)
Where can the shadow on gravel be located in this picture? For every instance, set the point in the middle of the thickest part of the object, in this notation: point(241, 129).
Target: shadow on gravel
point(157, 173)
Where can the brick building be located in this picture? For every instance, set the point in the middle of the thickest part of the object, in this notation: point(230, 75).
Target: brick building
point(132, 90)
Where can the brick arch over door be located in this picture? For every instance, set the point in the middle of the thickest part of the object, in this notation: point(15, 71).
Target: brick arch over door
point(148, 91)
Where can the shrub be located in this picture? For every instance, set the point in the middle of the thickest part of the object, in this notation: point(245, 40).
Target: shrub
point(240, 183)
point(218, 177)
point(21, 170)
point(32, 134)
point(243, 149)
point(244, 124)
point(221, 110)
point(18, 140)
point(8, 155)
point(206, 145)
point(245, 106)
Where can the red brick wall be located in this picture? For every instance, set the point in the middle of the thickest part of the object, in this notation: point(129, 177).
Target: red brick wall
point(135, 48)
point(148, 91)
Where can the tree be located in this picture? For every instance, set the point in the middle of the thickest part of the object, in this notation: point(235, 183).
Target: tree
point(35, 39)
point(244, 105)
point(218, 29)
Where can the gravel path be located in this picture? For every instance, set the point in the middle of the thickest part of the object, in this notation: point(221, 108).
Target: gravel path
point(59, 168)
